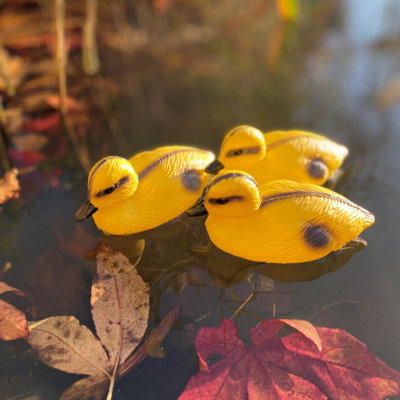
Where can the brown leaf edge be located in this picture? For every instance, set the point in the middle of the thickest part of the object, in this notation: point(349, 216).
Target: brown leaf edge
point(12, 316)
point(96, 386)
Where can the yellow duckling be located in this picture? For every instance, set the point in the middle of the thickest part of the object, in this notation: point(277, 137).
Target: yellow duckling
point(296, 155)
point(282, 222)
point(148, 190)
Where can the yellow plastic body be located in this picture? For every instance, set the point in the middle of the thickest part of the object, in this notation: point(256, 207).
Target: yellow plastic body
point(161, 185)
point(295, 155)
point(282, 222)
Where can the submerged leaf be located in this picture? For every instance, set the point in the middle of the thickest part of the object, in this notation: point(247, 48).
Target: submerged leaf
point(120, 303)
point(63, 343)
point(87, 388)
point(13, 323)
point(289, 367)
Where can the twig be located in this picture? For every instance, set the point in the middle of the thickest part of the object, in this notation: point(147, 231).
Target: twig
point(61, 58)
point(10, 89)
point(90, 58)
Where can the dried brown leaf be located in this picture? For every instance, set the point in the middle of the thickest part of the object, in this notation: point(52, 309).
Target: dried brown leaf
point(13, 323)
point(9, 186)
point(87, 388)
point(155, 338)
point(120, 302)
point(63, 343)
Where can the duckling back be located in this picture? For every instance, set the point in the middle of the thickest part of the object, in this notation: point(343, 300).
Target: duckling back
point(300, 156)
point(295, 155)
point(294, 223)
point(171, 179)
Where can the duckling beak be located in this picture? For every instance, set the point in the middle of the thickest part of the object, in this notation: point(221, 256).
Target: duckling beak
point(85, 211)
point(197, 209)
point(214, 167)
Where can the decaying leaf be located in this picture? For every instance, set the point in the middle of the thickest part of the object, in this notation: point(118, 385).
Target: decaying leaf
point(120, 303)
point(63, 343)
point(13, 323)
point(9, 186)
point(289, 367)
point(120, 308)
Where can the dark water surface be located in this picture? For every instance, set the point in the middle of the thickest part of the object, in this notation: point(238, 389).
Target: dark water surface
point(214, 67)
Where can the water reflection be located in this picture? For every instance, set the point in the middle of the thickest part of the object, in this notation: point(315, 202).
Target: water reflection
point(186, 77)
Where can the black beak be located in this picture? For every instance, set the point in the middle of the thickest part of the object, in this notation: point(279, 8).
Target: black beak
point(214, 167)
point(197, 209)
point(85, 211)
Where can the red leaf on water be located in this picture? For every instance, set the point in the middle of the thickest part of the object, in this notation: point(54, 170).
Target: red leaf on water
point(25, 158)
point(43, 123)
point(289, 367)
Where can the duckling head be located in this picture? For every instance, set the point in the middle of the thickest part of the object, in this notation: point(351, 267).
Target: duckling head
point(112, 180)
point(241, 147)
point(232, 193)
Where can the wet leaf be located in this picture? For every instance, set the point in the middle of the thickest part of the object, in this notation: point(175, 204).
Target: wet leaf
point(13, 323)
point(155, 338)
point(120, 308)
point(120, 303)
point(9, 186)
point(289, 367)
point(25, 158)
point(63, 343)
point(43, 123)
point(87, 388)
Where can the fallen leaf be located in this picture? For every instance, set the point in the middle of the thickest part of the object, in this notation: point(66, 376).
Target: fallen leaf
point(63, 343)
point(25, 158)
point(289, 367)
point(9, 186)
point(120, 303)
point(43, 123)
point(13, 323)
point(120, 308)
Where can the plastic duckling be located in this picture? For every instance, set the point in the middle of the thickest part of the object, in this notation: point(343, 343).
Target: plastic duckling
point(282, 222)
point(148, 190)
point(296, 155)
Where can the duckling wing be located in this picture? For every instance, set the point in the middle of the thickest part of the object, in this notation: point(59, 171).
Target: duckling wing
point(303, 222)
point(301, 156)
point(295, 223)
point(171, 179)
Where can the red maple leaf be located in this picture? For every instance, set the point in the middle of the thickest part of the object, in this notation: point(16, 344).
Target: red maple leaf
point(314, 363)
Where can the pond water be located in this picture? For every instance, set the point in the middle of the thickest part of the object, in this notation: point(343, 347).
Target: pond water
point(333, 70)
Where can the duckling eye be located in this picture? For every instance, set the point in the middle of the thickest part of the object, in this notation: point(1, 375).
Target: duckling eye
point(111, 188)
point(106, 191)
point(224, 200)
point(236, 152)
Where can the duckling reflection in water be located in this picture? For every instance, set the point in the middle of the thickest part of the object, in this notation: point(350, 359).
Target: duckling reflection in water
point(281, 222)
point(146, 191)
point(295, 155)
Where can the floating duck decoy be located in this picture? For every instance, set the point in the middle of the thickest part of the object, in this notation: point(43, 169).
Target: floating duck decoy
point(146, 191)
point(295, 155)
point(282, 222)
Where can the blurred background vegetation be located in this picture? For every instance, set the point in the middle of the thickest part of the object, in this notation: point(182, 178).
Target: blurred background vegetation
point(83, 79)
